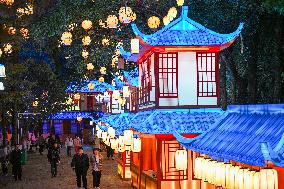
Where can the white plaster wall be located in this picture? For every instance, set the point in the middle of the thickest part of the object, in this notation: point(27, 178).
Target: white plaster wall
point(168, 101)
point(152, 93)
point(187, 78)
point(207, 101)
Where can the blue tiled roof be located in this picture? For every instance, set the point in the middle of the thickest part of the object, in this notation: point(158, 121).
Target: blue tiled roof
point(186, 32)
point(132, 77)
point(245, 136)
point(74, 115)
point(99, 87)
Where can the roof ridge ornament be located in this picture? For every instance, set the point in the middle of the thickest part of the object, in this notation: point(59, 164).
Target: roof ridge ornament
point(184, 12)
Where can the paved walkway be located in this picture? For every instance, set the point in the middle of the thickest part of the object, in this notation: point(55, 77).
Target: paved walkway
point(36, 175)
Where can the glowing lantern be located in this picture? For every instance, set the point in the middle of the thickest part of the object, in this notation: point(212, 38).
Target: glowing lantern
point(112, 21)
point(2, 88)
point(35, 103)
point(90, 66)
point(172, 13)
point(86, 40)
point(2, 71)
point(79, 118)
point(181, 159)
point(135, 46)
point(268, 178)
point(12, 31)
point(66, 38)
point(220, 174)
point(101, 79)
point(87, 24)
point(234, 176)
point(180, 2)
point(7, 48)
point(128, 139)
point(105, 42)
point(256, 180)
point(113, 143)
point(126, 15)
point(228, 167)
point(91, 123)
point(166, 20)
point(91, 86)
point(24, 32)
point(126, 91)
point(154, 22)
point(99, 133)
point(121, 145)
point(116, 94)
point(248, 179)
point(197, 167)
point(121, 101)
point(107, 140)
point(85, 54)
point(8, 2)
point(136, 145)
point(103, 70)
point(111, 132)
point(104, 135)
point(1, 52)
point(241, 178)
point(69, 101)
point(210, 171)
point(77, 96)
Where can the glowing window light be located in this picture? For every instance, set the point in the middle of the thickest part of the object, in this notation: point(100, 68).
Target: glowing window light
point(136, 145)
point(128, 139)
point(181, 159)
point(126, 92)
point(112, 21)
point(111, 132)
point(154, 22)
point(87, 24)
point(180, 2)
point(135, 46)
point(86, 40)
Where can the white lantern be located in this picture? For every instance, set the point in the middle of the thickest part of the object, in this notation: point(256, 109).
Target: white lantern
point(136, 145)
point(166, 20)
point(227, 180)
point(268, 178)
point(2, 88)
point(234, 176)
point(113, 143)
point(79, 118)
point(256, 180)
point(87, 24)
point(111, 132)
point(135, 46)
point(220, 174)
point(104, 135)
point(91, 123)
point(210, 171)
point(116, 94)
point(121, 145)
point(126, 91)
point(112, 21)
point(248, 179)
point(86, 40)
point(181, 160)
point(128, 139)
point(241, 178)
point(172, 13)
point(205, 172)
point(198, 167)
point(2, 71)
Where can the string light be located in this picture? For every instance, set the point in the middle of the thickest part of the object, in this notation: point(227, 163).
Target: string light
point(154, 22)
point(112, 21)
point(87, 24)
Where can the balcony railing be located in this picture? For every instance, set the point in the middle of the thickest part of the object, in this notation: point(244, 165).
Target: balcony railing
point(141, 98)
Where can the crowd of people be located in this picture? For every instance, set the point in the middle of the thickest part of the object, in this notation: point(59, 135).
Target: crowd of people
point(80, 161)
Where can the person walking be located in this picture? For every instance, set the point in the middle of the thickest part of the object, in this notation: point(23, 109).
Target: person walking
point(80, 163)
point(54, 159)
point(41, 143)
point(77, 144)
point(110, 152)
point(16, 162)
point(69, 145)
point(50, 144)
point(96, 162)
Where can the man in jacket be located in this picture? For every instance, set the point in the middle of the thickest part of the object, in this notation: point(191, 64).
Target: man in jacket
point(16, 162)
point(54, 160)
point(80, 163)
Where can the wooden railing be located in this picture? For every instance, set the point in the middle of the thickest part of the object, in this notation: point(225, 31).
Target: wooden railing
point(141, 97)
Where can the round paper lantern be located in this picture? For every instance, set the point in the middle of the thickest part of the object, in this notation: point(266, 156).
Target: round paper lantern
point(154, 22)
point(91, 86)
point(180, 2)
point(103, 70)
point(112, 21)
point(105, 42)
point(85, 54)
point(166, 20)
point(111, 132)
point(126, 15)
point(12, 31)
point(66, 38)
point(101, 79)
point(87, 24)
point(86, 40)
point(181, 159)
point(172, 13)
point(79, 118)
point(268, 178)
point(90, 66)
point(136, 145)
point(128, 139)
point(113, 143)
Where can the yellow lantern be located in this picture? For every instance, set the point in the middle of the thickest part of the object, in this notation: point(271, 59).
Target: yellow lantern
point(12, 31)
point(256, 180)
point(86, 40)
point(136, 145)
point(85, 54)
point(154, 22)
point(91, 86)
point(79, 118)
point(180, 2)
point(166, 20)
point(268, 178)
point(77, 96)
point(105, 42)
point(135, 46)
point(112, 21)
point(35, 103)
point(7, 48)
point(241, 178)
point(126, 15)
point(121, 145)
point(220, 174)
point(113, 143)
point(101, 79)
point(66, 38)
point(128, 139)
point(9, 2)
point(172, 13)
point(24, 32)
point(90, 66)
point(87, 24)
point(126, 92)
point(181, 159)
point(99, 133)
point(69, 101)
point(198, 167)
point(111, 132)
point(248, 179)
point(116, 94)
point(234, 176)
point(103, 70)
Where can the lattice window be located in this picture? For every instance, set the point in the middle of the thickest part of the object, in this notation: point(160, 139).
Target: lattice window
point(146, 78)
point(206, 76)
point(169, 171)
point(168, 78)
